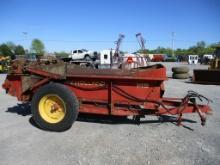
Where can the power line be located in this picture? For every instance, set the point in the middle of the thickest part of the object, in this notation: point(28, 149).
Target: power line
point(172, 43)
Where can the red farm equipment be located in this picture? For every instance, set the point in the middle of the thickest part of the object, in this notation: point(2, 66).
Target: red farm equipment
point(59, 91)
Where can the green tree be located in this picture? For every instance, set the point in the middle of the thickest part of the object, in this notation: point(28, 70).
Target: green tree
point(145, 51)
point(181, 52)
point(37, 47)
point(200, 48)
point(162, 50)
point(11, 46)
point(211, 48)
point(201, 44)
point(192, 50)
point(19, 50)
point(5, 50)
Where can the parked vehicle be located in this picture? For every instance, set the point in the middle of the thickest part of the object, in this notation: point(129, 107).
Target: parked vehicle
point(158, 58)
point(182, 58)
point(170, 58)
point(83, 54)
point(206, 59)
point(106, 56)
point(193, 59)
point(209, 56)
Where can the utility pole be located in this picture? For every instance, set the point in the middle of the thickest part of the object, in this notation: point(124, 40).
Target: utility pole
point(172, 43)
point(25, 38)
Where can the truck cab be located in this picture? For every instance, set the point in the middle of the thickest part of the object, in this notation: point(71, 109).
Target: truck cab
point(81, 54)
point(193, 59)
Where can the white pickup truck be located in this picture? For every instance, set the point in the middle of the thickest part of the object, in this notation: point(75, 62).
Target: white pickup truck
point(83, 54)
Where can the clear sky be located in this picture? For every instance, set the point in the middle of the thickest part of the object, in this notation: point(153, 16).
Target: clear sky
point(96, 24)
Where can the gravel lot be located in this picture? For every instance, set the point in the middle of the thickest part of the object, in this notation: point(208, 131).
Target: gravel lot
point(94, 141)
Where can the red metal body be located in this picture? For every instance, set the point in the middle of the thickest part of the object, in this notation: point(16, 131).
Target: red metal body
point(135, 92)
point(158, 58)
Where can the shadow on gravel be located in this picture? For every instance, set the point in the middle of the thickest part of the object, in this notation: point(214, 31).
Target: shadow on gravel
point(103, 119)
point(24, 110)
point(124, 120)
point(20, 109)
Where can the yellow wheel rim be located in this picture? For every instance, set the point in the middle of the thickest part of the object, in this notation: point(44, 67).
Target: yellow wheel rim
point(52, 108)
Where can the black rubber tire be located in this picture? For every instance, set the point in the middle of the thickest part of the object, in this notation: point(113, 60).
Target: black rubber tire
point(87, 57)
point(71, 103)
point(180, 75)
point(181, 69)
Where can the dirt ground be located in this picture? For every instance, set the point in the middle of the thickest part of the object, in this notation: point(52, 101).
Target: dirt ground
point(92, 140)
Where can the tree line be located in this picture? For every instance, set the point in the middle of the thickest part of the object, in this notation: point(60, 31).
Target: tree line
point(200, 49)
point(10, 49)
point(37, 47)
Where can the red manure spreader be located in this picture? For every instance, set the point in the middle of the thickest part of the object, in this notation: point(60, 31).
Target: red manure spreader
point(58, 91)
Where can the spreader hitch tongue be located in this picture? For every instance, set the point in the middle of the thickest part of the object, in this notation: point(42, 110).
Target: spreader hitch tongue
point(191, 97)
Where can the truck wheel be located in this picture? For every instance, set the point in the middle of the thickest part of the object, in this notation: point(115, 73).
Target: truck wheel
point(87, 58)
point(54, 107)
